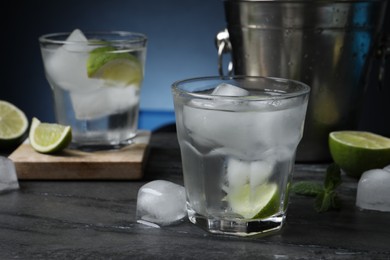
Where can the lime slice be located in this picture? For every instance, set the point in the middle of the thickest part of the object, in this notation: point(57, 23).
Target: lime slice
point(49, 138)
point(259, 202)
point(358, 151)
point(115, 67)
point(13, 125)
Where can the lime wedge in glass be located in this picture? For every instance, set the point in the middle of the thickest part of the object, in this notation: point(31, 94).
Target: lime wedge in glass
point(359, 151)
point(49, 138)
point(258, 202)
point(114, 66)
point(13, 125)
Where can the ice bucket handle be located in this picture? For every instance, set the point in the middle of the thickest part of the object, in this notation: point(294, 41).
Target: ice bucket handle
point(223, 44)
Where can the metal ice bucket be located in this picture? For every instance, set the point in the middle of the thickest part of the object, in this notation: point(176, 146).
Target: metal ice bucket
point(328, 45)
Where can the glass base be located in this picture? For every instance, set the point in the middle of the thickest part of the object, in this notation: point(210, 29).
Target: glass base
point(98, 146)
point(238, 227)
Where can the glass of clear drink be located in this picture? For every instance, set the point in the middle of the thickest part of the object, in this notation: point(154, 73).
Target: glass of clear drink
point(238, 136)
point(96, 79)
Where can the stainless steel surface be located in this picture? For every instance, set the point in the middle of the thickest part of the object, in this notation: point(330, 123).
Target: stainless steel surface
point(328, 45)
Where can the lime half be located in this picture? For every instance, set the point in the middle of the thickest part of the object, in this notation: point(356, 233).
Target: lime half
point(13, 125)
point(49, 138)
point(359, 151)
point(259, 202)
point(114, 66)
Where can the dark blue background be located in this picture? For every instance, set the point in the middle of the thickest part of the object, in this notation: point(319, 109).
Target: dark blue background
point(181, 44)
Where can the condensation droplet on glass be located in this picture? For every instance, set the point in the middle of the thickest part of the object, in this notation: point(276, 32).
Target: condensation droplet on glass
point(319, 30)
point(275, 103)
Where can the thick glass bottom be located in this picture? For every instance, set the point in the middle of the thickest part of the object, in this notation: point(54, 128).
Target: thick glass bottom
point(238, 227)
point(91, 146)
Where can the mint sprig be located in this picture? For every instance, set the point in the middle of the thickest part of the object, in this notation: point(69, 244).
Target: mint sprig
point(326, 197)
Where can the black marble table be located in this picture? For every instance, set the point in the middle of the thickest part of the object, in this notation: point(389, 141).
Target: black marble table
point(96, 220)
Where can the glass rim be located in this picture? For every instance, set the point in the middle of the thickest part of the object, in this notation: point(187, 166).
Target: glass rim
point(305, 89)
point(125, 37)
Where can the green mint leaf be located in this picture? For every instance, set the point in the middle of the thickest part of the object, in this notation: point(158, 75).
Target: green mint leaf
point(336, 202)
point(326, 201)
point(322, 202)
point(325, 195)
point(332, 177)
point(307, 188)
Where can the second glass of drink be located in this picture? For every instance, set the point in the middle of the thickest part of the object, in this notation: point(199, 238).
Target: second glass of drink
point(96, 80)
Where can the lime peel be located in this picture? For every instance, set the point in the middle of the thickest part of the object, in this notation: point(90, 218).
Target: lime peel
point(49, 138)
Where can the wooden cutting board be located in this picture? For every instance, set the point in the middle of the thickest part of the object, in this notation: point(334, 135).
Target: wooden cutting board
point(123, 164)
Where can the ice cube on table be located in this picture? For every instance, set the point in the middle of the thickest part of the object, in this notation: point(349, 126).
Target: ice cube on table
point(8, 177)
point(161, 203)
point(373, 192)
point(229, 90)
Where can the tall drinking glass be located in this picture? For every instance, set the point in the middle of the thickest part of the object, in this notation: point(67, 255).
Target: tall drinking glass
point(96, 79)
point(238, 136)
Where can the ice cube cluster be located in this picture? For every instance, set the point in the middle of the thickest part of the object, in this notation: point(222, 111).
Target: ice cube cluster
point(373, 191)
point(91, 98)
point(161, 203)
point(263, 124)
point(241, 172)
point(8, 177)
